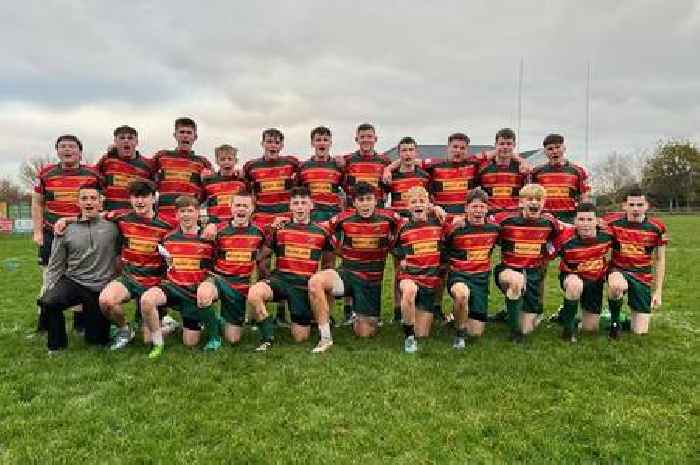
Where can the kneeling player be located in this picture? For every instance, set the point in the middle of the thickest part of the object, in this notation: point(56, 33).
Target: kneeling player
point(418, 249)
point(189, 259)
point(583, 266)
point(235, 251)
point(298, 246)
point(525, 240)
point(638, 260)
point(468, 249)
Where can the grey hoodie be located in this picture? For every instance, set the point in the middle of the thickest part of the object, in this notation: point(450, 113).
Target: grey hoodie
point(86, 253)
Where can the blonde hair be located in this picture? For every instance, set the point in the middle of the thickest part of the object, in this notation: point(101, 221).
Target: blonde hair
point(532, 191)
point(225, 148)
point(416, 191)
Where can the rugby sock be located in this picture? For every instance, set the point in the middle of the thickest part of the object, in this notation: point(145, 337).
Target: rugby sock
point(157, 337)
point(568, 314)
point(462, 333)
point(211, 322)
point(408, 330)
point(397, 313)
point(267, 329)
point(325, 330)
point(348, 311)
point(513, 308)
point(615, 310)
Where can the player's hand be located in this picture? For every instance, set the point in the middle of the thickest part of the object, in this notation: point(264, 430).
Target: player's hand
point(458, 221)
point(386, 175)
point(402, 264)
point(237, 172)
point(439, 213)
point(38, 238)
point(279, 221)
point(525, 167)
point(209, 232)
point(59, 227)
point(656, 300)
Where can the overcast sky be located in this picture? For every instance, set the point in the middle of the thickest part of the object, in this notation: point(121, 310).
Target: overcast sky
point(416, 68)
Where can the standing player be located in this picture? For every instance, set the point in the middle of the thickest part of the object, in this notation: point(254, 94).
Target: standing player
point(638, 262)
point(189, 260)
point(364, 237)
point(525, 240)
point(180, 171)
point(565, 183)
point(583, 266)
point(298, 246)
point(365, 165)
point(468, 249)
point(417, 252)
point(121, 165)
point(235, 252)
point(220, 187)
point(502, 178)
point(56, 196)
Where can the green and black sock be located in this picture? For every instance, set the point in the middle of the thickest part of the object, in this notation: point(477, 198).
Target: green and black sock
point(568, 314)
point(267, 329)
point(513, 308)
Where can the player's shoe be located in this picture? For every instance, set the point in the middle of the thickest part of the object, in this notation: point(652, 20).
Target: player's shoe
point(156, 351)
point(169, 325)
point(459, 343)
point(213, 344)
point(410, 345)
point(349, 320)
point(569, 336)
point(615, 330)
point(555, 318)
point(122, 339)
point(517, 337)
point(322, 346)
point(264, 346)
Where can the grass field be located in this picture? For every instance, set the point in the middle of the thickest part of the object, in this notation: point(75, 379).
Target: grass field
point(629, 402)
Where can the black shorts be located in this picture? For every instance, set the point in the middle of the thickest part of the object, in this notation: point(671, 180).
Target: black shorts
point(592, 296)
point(44, 252)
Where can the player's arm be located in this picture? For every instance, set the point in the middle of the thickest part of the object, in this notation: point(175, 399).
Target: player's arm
point(57, 262)
point(659, 274)
point(38, 218)
point(261, 261)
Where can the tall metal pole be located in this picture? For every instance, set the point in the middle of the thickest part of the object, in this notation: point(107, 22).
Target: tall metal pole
point(588, 111)
point(520, 98)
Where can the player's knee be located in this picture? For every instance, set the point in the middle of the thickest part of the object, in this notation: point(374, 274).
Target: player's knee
point(573, 287)
point(317, 286)
point(408, 289)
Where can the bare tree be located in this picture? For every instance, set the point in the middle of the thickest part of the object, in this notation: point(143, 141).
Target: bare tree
point(29, 169)
point(617, 170)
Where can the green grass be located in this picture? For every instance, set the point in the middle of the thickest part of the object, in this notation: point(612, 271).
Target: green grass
point(633, 401)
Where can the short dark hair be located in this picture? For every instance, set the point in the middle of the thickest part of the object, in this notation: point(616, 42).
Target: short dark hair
point(92, 185)
point(186, 201)
point(635, 191)
point(70, 137)
point(458, 136)
point(477, 194)
point(586, 207)
point(363, 188)
point(124, 129)
point(553, 139)
point(142, 188)
point(273, 132)
point(185, 121)
point(299, 191)
point(505, 133)
point(365, 127)
point(407, 140)
point(320, 131)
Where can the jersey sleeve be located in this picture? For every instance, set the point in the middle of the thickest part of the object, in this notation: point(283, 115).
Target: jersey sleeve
point(662, 235)
point(583, 181)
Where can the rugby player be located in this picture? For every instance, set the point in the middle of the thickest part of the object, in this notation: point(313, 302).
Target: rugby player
point(189, 259)
point(121, 165)
point(220, 187)
point(365, 165)
point(235, 251)
point(468, 248)
point(56, 196)
point(179, 171)
point(503, 176)
point(583, 265)
point(638, 263)
point(417, 252)
point(298, 246)
point(526, 240)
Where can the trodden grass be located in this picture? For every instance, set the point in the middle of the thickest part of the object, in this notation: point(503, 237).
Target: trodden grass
point(629, 402)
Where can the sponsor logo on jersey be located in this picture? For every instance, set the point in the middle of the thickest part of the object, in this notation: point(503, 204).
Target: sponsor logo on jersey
point(425, 247)
point(365, 242)
point(527, 249)
point(175, 175)
point(293, 251)
point(557, 191)
point(238, 255)
point(591, 265)
point(142, 245)
point(502, 191)
point(65, 196)
point(224, 199)
point(478, 255)
point(186, 264)
point(454, 186)
point(632, 250)
point(122, 180)
point(272, 186)
point(318, 187)
point(372, 181)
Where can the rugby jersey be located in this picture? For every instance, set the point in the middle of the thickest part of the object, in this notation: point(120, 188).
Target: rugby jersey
point(524, 241)
point(236, 249)
point(502, 182)
point(190, 259)
point(59, 188)
point(468, 248)
point(420, 244)
point(402, 182)
point(450, 182)
point(369, 169)
point(323, 179)
point(219, 190)
point(117, 173)
point(271, 181)
point(587, 258)
point(178, 173)
point(564, 184)
point(298, 249)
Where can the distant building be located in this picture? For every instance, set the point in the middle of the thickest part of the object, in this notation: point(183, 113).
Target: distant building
point(439, 151)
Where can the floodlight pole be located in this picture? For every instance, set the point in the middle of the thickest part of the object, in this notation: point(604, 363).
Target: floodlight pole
point(520, 98)
point(588, 112)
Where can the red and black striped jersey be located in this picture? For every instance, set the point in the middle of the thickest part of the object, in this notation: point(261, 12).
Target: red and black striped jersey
point(468, 248)
point(402, 182)
point(524, 242)
point(564, 185)
point(298, 249)
point(585, 257)
point(272, 181)
point(364, 242)
point(117, 173)
point(634, 244)
point(140, 236)
point(190, 259)
point(502, 182)
point(324, 179)
point(59, 188)
point(219, 190)
point(420, 245)
point(235, 252)
point(369, 169)
point(450, 182)
point(178, 173)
